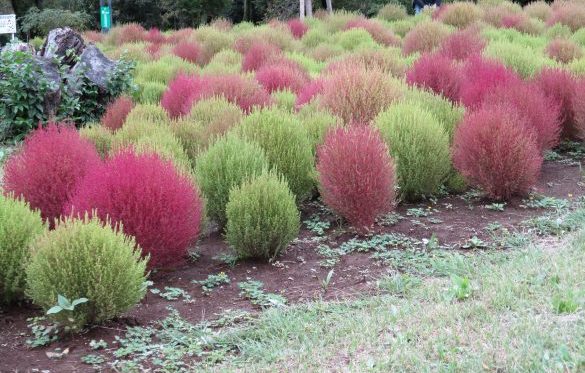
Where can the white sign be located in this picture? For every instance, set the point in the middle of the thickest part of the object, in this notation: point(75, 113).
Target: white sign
point(7, 24)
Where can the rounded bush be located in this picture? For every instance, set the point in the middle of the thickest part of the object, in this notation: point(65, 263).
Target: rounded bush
point(424, 37)
point(227, 164)
point(212, 40)
point(571, 14)
point(151, 92)
point(259, 54)
point(309, 92)
point(539, 10)
point(19, 226)
point(462, 44)
point(52, 161)
point(480, 76)
point(524, 60)
point(297, 27)
point(579, 110)
point(357, 95)
point(355, 39)
point(284, 100)
point(437, 73)
point(392, 12)
point(317, 123)
point(461, 14)
point(99, 136)
point(262, 218)
point(278, 77)
point(560, 88)
point(86, 259)
point(382, 35)
point(146, 113)
point(386, 60)
point(189, 51)
point(356, 174)
point(116, 113)
point(285, 142)
point(180, 94)
point(157, 205)
point(563, 50)
point(496, 150)
point(420, 147)
point(530, 102)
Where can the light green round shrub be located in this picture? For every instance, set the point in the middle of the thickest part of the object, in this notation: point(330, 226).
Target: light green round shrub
point(316, 123)
point(149, 113)
point(526, 61)
point(99, 136)
point(151, 92)
point(167, 146)
point(262, 218)
point(286, 144)
point(225, 165)
point(355, 39)
point(392, 12)
point(19, 226)
point(284, 99)
point(419, 145)
point(85, 259)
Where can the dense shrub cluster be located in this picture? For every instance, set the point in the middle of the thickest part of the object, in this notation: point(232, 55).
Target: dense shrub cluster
point(116, 113)
point(356, 174)
point(155, 204)
point(437, 73)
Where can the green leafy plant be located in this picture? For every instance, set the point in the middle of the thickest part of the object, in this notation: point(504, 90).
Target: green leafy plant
point(565, 303)
point(92, 359)
point(64, 304)
point(43, 332)
point(98, 345)
point(253, 290)
point(316, 225)
point(460, 288)
point(327, 280)
point(213, 281)
point(496, 206)
point(400, 284)
point(171, 293)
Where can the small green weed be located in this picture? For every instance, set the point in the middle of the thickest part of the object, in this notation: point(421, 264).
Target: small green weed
point(227, 258)
point(253, 290)
point(316, 225)
point(212, 281)
point(171, 293)
point(92, 359)
point(460, 288)
point(418, 212)
point(399, 284)
point(565, 303)
point(496, 206)
point(98, 345)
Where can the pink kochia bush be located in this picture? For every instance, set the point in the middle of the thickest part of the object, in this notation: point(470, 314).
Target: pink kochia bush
point(530, 102)
point(356, 174)
point(462, 44)
point(185, 90)
point(259, 54)
point(297, 27)
point(116, 113)
point(481, 76)
point(437, 73)
point(560, 87)
point(277, 77)
point(188, 50)
point(308, 92)
point(48, 168)
point(158, 206)
point(494, 148)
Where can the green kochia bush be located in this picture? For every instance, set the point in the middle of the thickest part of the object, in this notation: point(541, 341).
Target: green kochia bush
point(19, 226)
point(85, 259)
point(262, 218)
point(225, 165)
point(420, 147)
point(286, 145)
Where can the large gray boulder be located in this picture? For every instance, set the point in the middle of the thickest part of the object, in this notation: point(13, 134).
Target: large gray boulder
point(53, 95)
point(63, 43)
point(95, 66)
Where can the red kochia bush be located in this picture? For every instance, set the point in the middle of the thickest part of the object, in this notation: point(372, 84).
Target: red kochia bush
point(437, 73)
point(356, 174)
point(529, 101)
point(116, 113)
point(308, 92)
point(480, 76)
point(275, 77)
point(155, 36)
point(158, 206)
point(188, 50)
point(297, 27)
point(49, 166)
point(495, 149)
point(579, 110)
point(462, 44)
point(258, 54)
point(560, 87)
point(185, 90)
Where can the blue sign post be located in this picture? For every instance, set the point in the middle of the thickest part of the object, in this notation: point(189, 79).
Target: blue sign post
point(106, 15)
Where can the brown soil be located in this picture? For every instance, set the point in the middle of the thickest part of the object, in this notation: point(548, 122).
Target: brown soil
point(297, 274)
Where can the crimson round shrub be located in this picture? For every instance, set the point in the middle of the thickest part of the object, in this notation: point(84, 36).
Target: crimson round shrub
point(155, 36)
point(278, 77)
point(560, 87)
point(564, 50)
point(157, 205)
point(496, 150)
point(188, 50)
point(176, 100)
point(357, 95)
point(437, 73)
point(530, 102)
point(356, 174)
point(116, 113)
point(297, 27)
point(46, 171)
point(258, 54)
point(308, 92)
point(462, 44)
point(481, 76)
point(579, 110)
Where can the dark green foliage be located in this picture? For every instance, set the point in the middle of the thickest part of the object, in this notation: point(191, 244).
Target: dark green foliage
point(39, 22)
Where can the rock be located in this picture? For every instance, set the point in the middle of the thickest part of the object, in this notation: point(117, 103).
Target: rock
point(18, 47)
point(61, 40)
point(95, 66)
point(53, 94)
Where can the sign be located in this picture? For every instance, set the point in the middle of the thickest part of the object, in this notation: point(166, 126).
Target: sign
point(106, 17)
point(7, 24)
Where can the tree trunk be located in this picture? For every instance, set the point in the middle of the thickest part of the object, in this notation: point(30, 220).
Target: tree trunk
point(309, 8)
point(302, 9)
point(245, 17)
point(329, 6)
